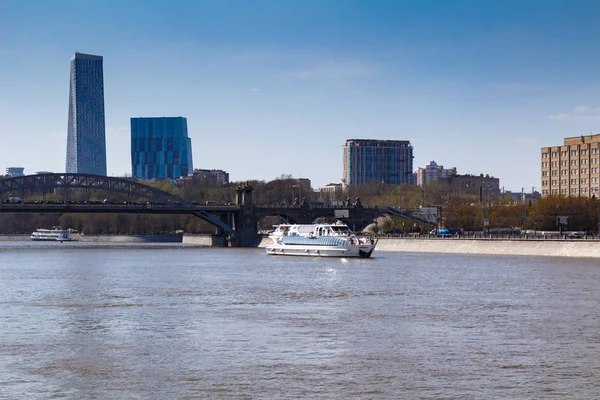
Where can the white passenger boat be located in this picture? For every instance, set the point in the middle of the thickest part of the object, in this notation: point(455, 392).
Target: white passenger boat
point(320, 240)
point(54, 234)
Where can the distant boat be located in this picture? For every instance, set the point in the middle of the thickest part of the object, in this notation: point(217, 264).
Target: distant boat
point(319, 240)
point(55, 234)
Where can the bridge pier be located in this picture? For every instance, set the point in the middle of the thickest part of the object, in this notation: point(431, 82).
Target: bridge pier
point(245, 221)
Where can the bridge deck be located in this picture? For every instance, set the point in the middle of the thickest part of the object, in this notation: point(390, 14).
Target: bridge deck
point(114, 208)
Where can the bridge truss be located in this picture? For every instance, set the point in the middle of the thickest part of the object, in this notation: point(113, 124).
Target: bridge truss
point(47, 183)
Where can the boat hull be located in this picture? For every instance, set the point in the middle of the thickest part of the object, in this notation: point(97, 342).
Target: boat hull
point(278, 249)
point(38, 239)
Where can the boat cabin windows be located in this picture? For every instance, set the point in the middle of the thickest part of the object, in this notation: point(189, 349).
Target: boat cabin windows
point(340, 229)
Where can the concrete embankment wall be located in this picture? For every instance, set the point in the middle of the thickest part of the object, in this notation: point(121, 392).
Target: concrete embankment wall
point(264, 242)
point(201, 240)
point(14, 238)
point(557, 248)
point(204, 240)
point(129, 238)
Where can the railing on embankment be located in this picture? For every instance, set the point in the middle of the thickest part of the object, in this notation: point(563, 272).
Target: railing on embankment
point(481, 236)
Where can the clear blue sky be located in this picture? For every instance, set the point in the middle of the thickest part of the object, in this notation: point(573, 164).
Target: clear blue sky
point(276, 87)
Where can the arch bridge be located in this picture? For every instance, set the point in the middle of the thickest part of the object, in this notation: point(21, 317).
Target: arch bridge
point(239, 220)
point(14, 193)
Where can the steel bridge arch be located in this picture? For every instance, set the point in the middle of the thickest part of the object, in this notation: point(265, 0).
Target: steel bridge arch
point(87, 181)
point(44, 182)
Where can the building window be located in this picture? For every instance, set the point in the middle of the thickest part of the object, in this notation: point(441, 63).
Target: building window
point(573, 152)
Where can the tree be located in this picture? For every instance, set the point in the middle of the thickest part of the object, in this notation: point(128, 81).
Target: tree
point(385, 223)
point(464, 216)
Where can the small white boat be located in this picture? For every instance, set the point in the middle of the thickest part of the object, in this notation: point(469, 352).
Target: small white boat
point(319, 240)
point(55, 234)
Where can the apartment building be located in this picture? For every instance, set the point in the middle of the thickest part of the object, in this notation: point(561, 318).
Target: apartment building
point(215, 175)
point(432, 172)
point(486, 187)
point(573, 168)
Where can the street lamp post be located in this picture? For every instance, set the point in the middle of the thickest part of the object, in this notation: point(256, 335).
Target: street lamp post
point(294, 193)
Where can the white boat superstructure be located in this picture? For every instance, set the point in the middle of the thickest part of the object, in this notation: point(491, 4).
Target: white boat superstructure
point(328, 240)
point(54, 234)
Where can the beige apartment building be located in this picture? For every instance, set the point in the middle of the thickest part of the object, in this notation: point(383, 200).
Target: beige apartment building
point(572, 169)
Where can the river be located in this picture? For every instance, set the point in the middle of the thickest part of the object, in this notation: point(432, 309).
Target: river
point(100, 321)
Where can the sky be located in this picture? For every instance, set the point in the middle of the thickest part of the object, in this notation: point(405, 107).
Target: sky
point(272, 87)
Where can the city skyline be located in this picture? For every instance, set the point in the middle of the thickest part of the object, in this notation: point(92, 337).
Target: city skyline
point(479, 86)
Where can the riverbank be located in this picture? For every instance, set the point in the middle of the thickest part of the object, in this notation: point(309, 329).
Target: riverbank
point(199, 240)
point(542, 247)
point(105, 238)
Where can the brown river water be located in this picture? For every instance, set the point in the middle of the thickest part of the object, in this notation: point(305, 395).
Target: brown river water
point(98, 321)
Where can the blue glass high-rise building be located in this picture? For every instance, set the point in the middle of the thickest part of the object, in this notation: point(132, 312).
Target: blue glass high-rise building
point(86, 137)
point(377, 161)
point(160, 148)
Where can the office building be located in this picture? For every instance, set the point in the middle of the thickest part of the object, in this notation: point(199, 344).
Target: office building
point(377, 161)
point(160, 148)
point(86, 138)
point(15, 172)
point(215, 175)
point(431, 173)
point(573, 168)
